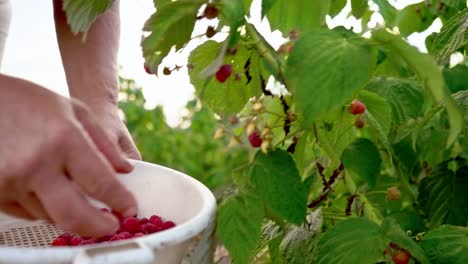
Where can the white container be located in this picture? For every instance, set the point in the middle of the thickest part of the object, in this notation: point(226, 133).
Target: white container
point(158, 190)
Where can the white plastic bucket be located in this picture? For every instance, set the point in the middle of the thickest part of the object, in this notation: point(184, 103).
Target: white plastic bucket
point(158, 190)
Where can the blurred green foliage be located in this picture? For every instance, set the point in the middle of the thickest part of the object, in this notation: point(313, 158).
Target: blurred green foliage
point(189, 148)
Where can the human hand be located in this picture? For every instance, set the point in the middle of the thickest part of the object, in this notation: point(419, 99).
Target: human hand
point(53, 154)
point(107, 116)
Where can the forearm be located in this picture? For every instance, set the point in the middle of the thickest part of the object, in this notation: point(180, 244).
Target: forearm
point(91, 66)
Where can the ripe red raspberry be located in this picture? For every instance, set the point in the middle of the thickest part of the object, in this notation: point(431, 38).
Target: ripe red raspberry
point(356, 107)
point(66, 236)
point(104, 238)
point(115, 238)
point(401, 257)
point(58, 242)
point(138, 235)
point(223, 73)
point(75, 241)
point(156, 220)
point(360, 122)
point(168, 224)
point(131, 225)
point(125, 235)
point(149, 228)
point(211, 12)
point(143, 220)
point(255, 139)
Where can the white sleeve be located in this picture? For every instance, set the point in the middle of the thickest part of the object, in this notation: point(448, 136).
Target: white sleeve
point(5, 17)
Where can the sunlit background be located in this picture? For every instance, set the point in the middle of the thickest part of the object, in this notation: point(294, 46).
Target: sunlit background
point(32, 52)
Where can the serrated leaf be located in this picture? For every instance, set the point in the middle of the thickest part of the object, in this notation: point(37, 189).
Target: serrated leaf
point(428, 73)
point(231, 96)
point(300, 242)
point(278, 182)
point(232, 13)
point(392, 230)
point(81, 14)
point(239, 221)
point(358, 8)
point(363, 158)
point(404, 96)
point(301, 15)
point(442, 195)
point(270, 231)
point(453, 35)
point(455, 78)
point(413, 18)
point(355, 240)
point(447, 244)
point(379, 108)
point(336, 6)
point(170, 26)
point(318, 70)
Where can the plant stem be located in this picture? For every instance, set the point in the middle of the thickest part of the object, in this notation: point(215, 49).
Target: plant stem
point(265, 50)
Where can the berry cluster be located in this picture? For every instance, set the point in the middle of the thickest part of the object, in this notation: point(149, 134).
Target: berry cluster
point(357, 108)
point(131, 227)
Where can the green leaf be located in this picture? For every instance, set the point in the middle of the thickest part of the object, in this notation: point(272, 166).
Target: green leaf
point(247, 4)
point(404, 96)
point(270, 231)
point(442, 195)
point(392, 230)
point(318, 70)
point(358, 8)
point(428, 73)
point(239, 221)
point(413, 18)
point(363, 158)
point(455, 78)
point(336, 6)
point(355, 240)
point(231, 96)
point(387, 10)
point(378, 108)
point(232, 13)
point(274, 250)
point(81, 14)
point(447, 244)
point(278, 182)
point(174, 19)
point(453, 35)
point(301, 15)
point(266, 6)
point(300, 242)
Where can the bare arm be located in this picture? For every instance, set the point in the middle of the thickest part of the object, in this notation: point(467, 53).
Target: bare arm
point(91, 66)
point(91, 70)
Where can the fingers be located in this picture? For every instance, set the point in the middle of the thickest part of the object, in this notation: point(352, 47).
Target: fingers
point(69, 208)
point(16, 210)
point(90, 170)
point(109, 148)
point(128, 146)
point(31, 203)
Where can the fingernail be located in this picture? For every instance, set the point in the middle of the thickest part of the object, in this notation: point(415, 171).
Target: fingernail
point(112, 222)
point(131, 212)
point(128, 166)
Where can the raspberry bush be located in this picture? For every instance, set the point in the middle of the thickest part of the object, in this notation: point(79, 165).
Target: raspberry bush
point(342, 147)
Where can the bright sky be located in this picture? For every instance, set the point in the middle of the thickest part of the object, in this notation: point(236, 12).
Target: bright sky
point(32, 52)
